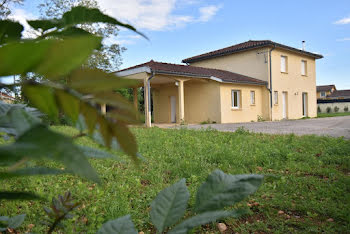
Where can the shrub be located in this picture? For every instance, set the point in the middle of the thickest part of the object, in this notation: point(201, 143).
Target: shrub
point(346, 109)
point(260, 118)
point(319, 109)
point(329, 109)
point(336, 109)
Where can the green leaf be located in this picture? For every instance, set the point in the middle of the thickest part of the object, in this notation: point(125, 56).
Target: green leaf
point(220, 190)
point(65, 55)
point(41, 142)
point(9, 31)
point(126, 140)
point(68, 32)
point(169, 206)
point(69, 104)
point(95, 153)
point(81, 15)
point(17, 120)
point(123, 225)
point(10, 195)
point(31, 172)
point(44, 24)
point(204, 218)
point(43, 98)
point(90, 116)
point(20, 58)
point(16, 221)
point(95, 80)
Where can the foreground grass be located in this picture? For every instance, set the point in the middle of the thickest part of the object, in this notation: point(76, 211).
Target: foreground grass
point(323, 115)
point(310, 191)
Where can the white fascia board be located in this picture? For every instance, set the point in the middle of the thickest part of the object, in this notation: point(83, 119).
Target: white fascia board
point(134, 71)
point(216, 79)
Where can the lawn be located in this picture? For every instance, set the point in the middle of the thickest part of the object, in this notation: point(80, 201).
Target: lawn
point(309, 190)
point(332, 114)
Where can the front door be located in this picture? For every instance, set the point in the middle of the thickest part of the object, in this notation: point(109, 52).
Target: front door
point(304, 104)
point(173, 109)
point(284, 104)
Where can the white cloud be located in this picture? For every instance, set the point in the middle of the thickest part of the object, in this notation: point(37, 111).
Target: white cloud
point(345, 20)
point(344, 39)
point(208, 12)
point(155, 15)
point(21, 16)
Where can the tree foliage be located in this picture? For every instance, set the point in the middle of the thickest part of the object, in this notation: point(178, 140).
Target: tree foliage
point(5, 5)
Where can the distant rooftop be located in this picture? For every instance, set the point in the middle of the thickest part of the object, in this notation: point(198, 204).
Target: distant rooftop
point(246, 46)
point(325, 88)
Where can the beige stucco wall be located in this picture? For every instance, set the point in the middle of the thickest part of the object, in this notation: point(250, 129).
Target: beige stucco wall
point(294, 84)
point(246, 112)
point(248, 63)
point(201, 97)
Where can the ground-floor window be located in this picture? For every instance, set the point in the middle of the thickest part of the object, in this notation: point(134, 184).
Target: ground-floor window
point(252, 97)
point(275, 97)
point(236, 98)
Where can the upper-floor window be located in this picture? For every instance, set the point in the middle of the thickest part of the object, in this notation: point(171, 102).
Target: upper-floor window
point(284, 63)
point(252, 97)
point(323, 94)
point(275, 97)
point(303, 67)
point(236, 98)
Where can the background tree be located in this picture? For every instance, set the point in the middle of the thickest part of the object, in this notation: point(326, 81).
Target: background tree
point(5, 10)
point(108, 57)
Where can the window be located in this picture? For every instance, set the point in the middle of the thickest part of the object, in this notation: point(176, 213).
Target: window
point(252, 97)
point(236, 99)
point(323, 94)
point(303, 67)
point(284, 61)
point(275, 97)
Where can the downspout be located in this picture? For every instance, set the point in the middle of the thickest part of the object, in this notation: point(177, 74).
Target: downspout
point(274, 47)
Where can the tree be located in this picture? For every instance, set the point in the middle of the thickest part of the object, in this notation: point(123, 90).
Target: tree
point(5, 7)
point(108, 57)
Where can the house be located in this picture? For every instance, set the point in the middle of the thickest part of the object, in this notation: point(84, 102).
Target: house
point(6, 98)
point(250, 81)
point(335, 101)
point(324, 90)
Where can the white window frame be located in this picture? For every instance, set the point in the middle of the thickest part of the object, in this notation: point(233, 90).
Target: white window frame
point(275, 97)
point(238, 99)
point(323, 94)
point(303, 68)
point(252, 97)
point(284, 68)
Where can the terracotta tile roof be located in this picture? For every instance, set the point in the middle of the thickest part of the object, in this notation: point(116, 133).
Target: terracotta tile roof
point(340, 94)
point(325, 88)
point(245, 46)
point(185, 70)
point(5, 95)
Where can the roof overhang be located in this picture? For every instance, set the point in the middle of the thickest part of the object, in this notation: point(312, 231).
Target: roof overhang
point(134, 71)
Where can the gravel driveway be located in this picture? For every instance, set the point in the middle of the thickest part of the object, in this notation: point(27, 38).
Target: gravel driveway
point(333, 126)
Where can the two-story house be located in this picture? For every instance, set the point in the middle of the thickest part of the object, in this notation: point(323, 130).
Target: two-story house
point(324, 90)
point(250, 81)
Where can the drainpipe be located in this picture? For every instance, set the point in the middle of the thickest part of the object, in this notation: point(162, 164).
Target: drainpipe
point(274, 47)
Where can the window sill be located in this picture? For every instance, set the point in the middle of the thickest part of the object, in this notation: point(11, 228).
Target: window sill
point(304, 75)
point(284, 72)
point(236, 109)
point(253, 104)
point(275, 104)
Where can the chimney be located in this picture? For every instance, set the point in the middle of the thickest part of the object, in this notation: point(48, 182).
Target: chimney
point(303, 43)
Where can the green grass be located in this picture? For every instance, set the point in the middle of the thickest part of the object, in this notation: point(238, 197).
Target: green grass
point(332, 114)
point(311, 184)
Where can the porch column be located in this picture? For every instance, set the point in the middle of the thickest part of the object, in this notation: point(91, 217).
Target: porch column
point(135, 98)
point(147, 104)
point(181, 101)
point(103, 108)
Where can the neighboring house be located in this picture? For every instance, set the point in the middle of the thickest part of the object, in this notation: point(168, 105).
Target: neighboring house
point(6, 98)
point(337, 99)
point(324, 90)
point(250, 81)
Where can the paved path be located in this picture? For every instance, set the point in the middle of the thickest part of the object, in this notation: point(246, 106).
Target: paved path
point(332, 126)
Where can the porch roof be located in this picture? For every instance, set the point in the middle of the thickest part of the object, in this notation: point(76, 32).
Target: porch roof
point(190, 71)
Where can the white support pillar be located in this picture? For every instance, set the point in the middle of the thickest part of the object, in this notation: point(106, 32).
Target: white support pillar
point(147, 104)
point(181, 101)
point(103, 108)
